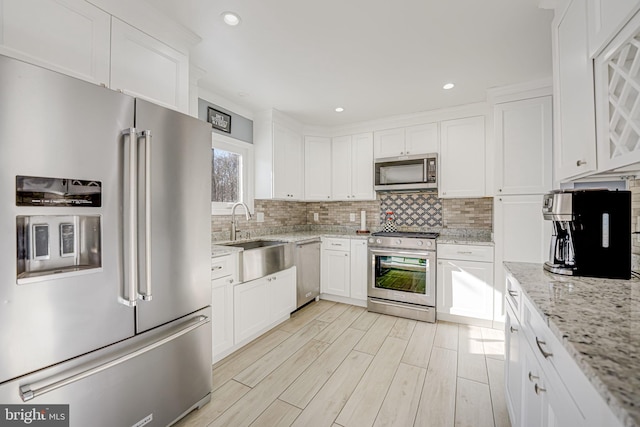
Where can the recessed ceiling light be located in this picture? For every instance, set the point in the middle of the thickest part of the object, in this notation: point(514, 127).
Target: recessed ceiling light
point(448, 86)
point(339, 110)
point(231, 18)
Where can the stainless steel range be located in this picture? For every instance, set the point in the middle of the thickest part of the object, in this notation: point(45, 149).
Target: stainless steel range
point(402, 274)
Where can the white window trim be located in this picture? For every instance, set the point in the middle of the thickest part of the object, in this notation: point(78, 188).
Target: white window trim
point(247, 151)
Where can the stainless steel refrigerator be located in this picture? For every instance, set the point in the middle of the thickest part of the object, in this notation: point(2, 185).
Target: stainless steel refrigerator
point(105, 287)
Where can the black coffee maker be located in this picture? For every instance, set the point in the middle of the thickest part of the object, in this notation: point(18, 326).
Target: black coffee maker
point(592, 233)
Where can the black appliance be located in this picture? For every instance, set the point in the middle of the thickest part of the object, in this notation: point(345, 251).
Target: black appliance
point(592, 233)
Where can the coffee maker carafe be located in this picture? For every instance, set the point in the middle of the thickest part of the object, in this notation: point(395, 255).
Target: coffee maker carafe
point(592, 233)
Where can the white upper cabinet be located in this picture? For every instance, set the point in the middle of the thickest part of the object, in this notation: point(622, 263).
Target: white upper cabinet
point(606, 17)
point(362, 167)
point(420, 139)
point(147, 68)
point(352, 167)
point(287, 163)
point(279, 158)
point(317, 168)
point(523, 134)
point(70, 36)
point(575, 133)
point(617, 100)
point(462, 158)
point(389, 143)
point(341, 168)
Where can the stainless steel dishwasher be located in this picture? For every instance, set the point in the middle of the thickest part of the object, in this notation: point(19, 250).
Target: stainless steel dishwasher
point(307, 262)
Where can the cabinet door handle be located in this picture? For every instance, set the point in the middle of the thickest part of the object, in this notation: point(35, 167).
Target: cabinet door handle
point(581, 162)
point(230, 280)
point(513, 293)
point(465, 252)
point(546, 354)
point(512, 329)
point(539, 389)
point(532, 377)
point(216, 267)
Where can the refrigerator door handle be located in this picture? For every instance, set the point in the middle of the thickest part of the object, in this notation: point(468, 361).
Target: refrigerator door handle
point(144, 287)
point(31, 391)
point(130, 216)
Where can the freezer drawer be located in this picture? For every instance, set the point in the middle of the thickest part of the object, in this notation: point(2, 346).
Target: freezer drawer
point(152, 379)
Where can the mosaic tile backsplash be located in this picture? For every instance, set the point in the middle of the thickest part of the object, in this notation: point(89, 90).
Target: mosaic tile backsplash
point(412, 209)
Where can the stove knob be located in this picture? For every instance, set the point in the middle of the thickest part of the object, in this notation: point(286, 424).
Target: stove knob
point(378, 241)
point(371, 240)
point(398, 242)
point(420, 243)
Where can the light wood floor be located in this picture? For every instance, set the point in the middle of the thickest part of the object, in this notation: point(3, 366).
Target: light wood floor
point(338, 365)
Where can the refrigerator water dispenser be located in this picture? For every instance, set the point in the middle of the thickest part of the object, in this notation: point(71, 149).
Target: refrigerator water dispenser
point(57, 245)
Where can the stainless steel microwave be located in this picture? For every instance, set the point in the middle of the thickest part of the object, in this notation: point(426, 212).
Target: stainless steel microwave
point(415, 172)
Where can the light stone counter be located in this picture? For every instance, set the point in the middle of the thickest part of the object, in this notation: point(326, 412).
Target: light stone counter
point(598, 322)
point(219, 249)
point(461, 240)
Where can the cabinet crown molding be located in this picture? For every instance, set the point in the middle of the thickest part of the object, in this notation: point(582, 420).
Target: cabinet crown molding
point(515, 92)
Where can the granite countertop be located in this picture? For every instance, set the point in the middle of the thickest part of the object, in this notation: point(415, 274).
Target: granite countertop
point(464, 240)
point(218, 248)
point(598, 322)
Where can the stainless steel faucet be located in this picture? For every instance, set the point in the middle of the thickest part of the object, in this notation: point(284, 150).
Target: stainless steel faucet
point(233, 218)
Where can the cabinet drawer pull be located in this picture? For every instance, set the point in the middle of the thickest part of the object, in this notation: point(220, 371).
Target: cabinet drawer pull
point(544, 353)
point(581, 162)
point(217, 267)
point(539, 389)
point(513, 293)
point(465, 252)
point(532, 377)
point(512, 329)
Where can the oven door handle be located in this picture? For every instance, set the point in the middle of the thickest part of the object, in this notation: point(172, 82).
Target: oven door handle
point(395, 252)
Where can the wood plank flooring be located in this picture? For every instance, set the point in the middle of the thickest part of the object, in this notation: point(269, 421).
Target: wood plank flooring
point(338, 365)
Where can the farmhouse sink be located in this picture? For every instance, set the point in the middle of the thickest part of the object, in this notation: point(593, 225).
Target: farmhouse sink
point(255, 244)
point(263, 257)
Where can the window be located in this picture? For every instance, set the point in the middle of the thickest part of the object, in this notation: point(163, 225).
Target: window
point(226, 179)
point(231, 174)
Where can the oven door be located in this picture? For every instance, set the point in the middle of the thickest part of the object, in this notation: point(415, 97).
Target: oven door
point(407, 276)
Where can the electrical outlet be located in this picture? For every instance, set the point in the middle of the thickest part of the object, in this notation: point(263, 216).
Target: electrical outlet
point(352, 217)
point(316, 217)
point(260, 217)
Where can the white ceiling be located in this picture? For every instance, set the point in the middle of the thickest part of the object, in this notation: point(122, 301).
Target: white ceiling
point(374, 58)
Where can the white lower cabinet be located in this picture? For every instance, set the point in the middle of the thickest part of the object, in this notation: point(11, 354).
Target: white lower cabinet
point(224, 275)
point(359, 271)
point(544, 387)
point(513, 365)
point(250, 308)
point(262, 303)
point(465, 283)
point(335, 270)
point(222, 316)
point(282, 294)
point(343, 274)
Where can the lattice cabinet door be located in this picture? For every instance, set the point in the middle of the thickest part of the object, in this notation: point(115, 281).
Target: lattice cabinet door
point(617, 81)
